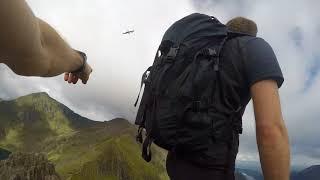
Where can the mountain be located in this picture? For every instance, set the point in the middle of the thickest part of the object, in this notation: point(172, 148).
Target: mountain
point(24, 166)
point(254, 174)
point(249, 165)
point(30, 120)
point(311, 173)
point(79, 148)
point(242, 176)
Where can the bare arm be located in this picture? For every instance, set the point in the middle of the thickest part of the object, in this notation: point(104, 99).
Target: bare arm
point(30, 46)
point(272, 136)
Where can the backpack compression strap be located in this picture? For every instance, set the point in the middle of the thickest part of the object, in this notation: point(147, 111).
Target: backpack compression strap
point(216, 56)
point(146, 148)
point(143, 80)
point(166, 61)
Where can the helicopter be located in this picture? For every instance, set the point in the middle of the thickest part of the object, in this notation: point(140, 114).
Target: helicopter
point(128, 32)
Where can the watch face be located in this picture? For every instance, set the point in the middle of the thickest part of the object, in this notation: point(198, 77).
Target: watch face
point(83, 55)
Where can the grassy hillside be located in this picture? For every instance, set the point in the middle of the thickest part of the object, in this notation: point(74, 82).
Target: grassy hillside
point(27, 122)
point(78, 147)
point(120, 159)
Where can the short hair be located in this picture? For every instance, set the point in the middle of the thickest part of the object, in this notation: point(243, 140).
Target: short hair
point(243, 25)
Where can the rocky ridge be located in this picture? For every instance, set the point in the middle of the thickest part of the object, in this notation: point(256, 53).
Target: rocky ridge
point(24, 166)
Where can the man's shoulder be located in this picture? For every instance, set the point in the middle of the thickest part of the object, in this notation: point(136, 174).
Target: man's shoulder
point(248, 44)
point(243, 41)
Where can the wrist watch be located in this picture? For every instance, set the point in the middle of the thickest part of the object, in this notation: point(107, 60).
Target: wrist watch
point(84, 58)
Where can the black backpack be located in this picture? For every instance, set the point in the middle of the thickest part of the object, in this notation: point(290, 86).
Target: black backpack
point(182, 108)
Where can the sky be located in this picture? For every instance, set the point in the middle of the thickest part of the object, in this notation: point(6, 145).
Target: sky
point(291, 27)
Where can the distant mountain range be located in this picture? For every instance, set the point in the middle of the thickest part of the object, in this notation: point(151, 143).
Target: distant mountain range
point(82, 149)
point(250, 174)
point(311, 173)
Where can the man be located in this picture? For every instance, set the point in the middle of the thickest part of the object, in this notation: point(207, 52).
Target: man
point(255, 72)
point(195, 94)
point(31, 47)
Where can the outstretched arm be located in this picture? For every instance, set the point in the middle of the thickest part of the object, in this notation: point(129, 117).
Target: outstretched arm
point(272, 136)
point(31, 47)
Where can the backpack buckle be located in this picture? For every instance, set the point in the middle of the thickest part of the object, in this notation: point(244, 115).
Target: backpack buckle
point(200, 105)
point(139, 137)
point(212, 52)
point(215, 56)
point(196, 106)
point(172, 53)
point(209, 52)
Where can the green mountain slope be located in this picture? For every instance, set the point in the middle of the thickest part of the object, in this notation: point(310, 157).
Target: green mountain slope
point(78, 147)
point(119, 160)
point(27, 122)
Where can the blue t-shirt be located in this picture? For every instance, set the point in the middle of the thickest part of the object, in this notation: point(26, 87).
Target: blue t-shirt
point(245, 61)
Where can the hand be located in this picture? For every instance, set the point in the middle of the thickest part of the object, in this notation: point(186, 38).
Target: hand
point(74, 77)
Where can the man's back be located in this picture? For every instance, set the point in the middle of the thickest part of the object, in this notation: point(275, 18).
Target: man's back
point(244, 61)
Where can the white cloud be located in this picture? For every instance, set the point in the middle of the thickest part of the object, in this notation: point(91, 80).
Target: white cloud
point(118, 60)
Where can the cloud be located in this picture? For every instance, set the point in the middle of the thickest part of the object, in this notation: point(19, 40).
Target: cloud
point(313, 72)
point(291, 27)
point(118, 60)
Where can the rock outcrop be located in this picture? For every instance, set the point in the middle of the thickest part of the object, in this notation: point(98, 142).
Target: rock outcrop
point(4, 154)
point(22, 166)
